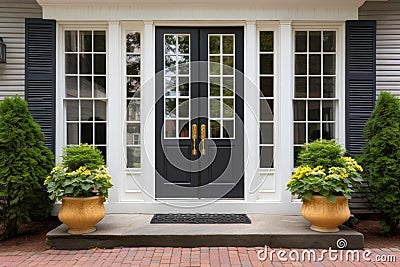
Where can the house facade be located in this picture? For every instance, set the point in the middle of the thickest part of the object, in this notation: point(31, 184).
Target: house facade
point(201, 106)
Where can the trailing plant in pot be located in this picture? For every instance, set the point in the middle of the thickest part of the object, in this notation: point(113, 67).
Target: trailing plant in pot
point(324, 181)
point(81, 181)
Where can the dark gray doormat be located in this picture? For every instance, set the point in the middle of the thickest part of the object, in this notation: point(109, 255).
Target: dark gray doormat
point(200, 218)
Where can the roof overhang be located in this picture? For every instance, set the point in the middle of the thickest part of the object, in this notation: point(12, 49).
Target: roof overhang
point(262, 3)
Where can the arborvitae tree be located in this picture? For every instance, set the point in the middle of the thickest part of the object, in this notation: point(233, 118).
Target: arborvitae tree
point(381, 161)
point(24, 164)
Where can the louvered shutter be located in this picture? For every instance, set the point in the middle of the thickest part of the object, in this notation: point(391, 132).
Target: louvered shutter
point(360, 80)
point(40, 74)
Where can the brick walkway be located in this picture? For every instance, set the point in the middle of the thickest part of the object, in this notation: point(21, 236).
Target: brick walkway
point(207, 256)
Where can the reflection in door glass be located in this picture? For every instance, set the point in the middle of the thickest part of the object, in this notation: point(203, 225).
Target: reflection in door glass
point(133, 78)
point(176, 86)
point(221, 104)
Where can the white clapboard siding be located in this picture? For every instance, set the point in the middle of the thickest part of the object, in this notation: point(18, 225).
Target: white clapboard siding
point(387, 16)
point(12, 30)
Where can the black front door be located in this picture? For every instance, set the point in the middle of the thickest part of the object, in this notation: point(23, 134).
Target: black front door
point(199, 112)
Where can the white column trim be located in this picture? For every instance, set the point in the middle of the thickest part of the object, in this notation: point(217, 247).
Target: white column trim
point(115, 119)
point(147, 111)
point(60, 122)
point(284, 150)
point(250, 111)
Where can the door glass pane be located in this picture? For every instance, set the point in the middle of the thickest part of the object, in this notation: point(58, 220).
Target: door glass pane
point(215, 65)
point(228, 129)
point(184, 128)
point(215, 88)
point(184, 86)
point(215, 108)
point(170, 65)
point(170, 108)
point(228, 44)
point(214, 44)
point(176, 85)
point(183, 66)
point(221, 102)
point(228, 65)
point(228, 108)
point(170, 86)
point(215, 129)
point(183, 44)
point(183, 108)
point(170, 44)
point(228, 86)
point(170, 128)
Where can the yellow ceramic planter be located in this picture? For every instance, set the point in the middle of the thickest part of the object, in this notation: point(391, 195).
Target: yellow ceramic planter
point(323, 215)
point(81, 214)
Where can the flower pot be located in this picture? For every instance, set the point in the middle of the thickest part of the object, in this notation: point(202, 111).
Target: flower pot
point(81, 214)
point(323, 215)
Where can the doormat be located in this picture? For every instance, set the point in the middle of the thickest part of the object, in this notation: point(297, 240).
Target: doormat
point(200, 218)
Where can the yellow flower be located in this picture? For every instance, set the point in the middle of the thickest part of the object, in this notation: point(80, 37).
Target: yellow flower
point(87, 173)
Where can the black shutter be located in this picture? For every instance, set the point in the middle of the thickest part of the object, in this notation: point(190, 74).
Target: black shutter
point(360, 80)
point(40, 74)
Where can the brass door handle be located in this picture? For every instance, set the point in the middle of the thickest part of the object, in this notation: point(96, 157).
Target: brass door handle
point(194, 137)
point(203, 134)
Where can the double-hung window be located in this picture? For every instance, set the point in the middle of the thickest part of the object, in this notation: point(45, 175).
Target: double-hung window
point(85, 81)
point(315, 99)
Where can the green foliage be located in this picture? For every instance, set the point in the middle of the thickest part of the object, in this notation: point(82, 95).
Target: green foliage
point(325, 153)
point(381, 160)
point(325, 171)
point(24, 163)
point(83, 155)
point(81, 174)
